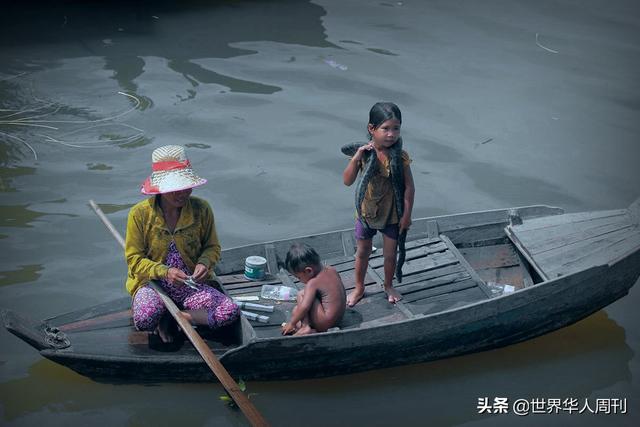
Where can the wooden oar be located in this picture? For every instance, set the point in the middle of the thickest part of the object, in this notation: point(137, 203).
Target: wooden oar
point(249, 410)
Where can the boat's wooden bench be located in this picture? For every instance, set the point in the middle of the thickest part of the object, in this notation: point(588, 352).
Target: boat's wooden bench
point(565, 244)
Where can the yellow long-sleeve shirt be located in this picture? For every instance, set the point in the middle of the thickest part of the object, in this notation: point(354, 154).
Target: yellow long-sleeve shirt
point(147, 240)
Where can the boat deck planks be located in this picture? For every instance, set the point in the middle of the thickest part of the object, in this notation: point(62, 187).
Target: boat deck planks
point(109, 327)
point(435, 275)
point(565, 244)
point(499, 264)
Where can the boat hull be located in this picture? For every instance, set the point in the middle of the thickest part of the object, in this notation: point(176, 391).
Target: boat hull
point(101, 343)
point(494, 323)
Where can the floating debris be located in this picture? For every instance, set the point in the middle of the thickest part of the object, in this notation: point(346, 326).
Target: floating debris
point(197, 145)
point(486, 141)
point(335, 64)
point(98, 167)
point(543, 47)
point(382, 51)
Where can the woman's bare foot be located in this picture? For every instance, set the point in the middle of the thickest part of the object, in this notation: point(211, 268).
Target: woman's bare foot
point(164, 329)
point(305, 330)
point(392, 295)
point(355, 296)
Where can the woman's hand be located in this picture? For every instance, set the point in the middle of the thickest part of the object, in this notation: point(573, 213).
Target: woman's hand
point(200, 272)
point(176, 276)
point(405, 223)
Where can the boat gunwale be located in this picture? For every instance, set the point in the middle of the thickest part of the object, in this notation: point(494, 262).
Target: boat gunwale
point(543, 210)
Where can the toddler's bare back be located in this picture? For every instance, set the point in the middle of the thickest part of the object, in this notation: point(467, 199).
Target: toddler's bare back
point(331, 292)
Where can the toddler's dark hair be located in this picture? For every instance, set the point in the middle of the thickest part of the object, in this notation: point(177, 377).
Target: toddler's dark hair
point(381, 112)
point(300, 256)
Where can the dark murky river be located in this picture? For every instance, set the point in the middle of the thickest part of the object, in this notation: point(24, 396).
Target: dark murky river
point(505, 103)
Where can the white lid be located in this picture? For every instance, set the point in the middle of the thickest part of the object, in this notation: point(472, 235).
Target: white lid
point(256, 260)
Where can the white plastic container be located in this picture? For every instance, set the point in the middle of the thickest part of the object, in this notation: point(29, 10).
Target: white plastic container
point(255, 316)
point(278, 293)
point(255, 307)
point(254, 267)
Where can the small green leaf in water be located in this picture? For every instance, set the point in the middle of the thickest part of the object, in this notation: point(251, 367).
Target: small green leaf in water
point(228, 400)
point(242, 385)
point(111, 137)
point(197, 145)
point(98, 167)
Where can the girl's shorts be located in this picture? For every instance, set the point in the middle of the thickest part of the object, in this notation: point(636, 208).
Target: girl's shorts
point(366, 233)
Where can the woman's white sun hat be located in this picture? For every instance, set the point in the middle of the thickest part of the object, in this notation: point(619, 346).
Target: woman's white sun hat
point(171, 171)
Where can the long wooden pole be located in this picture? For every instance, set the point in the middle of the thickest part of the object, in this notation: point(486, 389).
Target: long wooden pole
point(248, 408)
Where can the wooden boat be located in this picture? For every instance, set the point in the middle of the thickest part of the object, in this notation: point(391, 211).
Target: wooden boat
point(563, 267)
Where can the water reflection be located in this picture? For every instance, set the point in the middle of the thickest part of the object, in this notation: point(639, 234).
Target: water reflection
point(195, 73)
point(24, 274)
point(18, 216)
point(573, 361)
point(8, 173)
point(125, 33)
point(53, 387)
point(21, 216)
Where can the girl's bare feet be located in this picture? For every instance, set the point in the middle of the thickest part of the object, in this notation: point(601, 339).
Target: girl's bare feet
point(392, 295)
point(355, 296)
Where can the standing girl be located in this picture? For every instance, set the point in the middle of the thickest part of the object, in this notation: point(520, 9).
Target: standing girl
point(384, 197)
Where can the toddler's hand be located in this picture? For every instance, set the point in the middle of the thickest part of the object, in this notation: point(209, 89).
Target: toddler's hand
point(287, 328)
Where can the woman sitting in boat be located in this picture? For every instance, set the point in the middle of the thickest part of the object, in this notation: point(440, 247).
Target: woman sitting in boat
point(171, 237)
